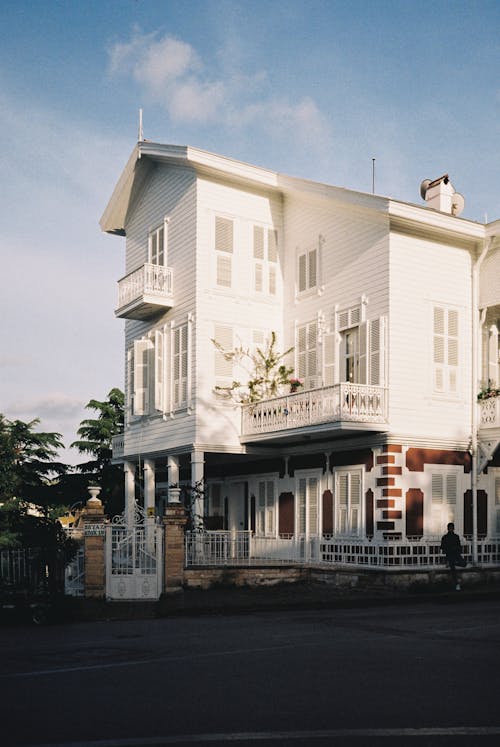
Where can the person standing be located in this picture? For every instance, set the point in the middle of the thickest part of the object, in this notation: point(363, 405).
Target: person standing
point(452, 548)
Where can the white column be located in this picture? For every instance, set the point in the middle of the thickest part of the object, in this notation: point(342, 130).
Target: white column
point(173, 479)
point(129, 469)
point(198, 484)
point(149, 486)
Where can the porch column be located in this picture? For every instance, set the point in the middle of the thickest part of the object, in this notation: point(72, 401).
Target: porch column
point(197, 483)
point(173, 479)
point(129, 469)
point(149, 502)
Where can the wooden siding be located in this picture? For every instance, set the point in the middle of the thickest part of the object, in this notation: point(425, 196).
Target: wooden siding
point(169, 193)
point(425, 273)
point(489, 286)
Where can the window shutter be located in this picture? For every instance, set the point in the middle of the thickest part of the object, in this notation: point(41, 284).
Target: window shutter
point(258, 277)
point(312, 265)
point(313, 505)
point(363, 353)
point(312, 356)
point(180, 364)
point(258, 242)
point(142, 350)
point(439, 348)
point(301, 519)
point(329, 359)
point(355, 481)
point(224, 271)
point(342, 503)
point(223, 234)
point(272, 281)
point(377, 352)
point(301, 351)
point(272, 245)
point(437, 490)
point(130, 381)
point(302, 272)
point(161, 246)
point(159, 371)
point(452, 349)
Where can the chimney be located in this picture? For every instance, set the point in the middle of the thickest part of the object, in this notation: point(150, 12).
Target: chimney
point(440, 194)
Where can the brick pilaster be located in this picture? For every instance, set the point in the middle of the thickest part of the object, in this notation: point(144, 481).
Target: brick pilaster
point(94, 539)
point(174, 521)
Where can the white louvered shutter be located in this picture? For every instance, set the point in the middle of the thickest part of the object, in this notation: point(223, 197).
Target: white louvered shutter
point(363, 355)
point(142, 372)
point(272, 245)
point(342, 503)
point(224, 234)
point(302, 272)
point(159, 371)
point(258, 242)
point(452, 350)
point(329, 359)
point(355, 501)
point(272, 280)
point(180, 363)
point(224, 271)
point(301, 506)
point(312, 508)
point(376, 352)
point(130, 381)
point(312, 356)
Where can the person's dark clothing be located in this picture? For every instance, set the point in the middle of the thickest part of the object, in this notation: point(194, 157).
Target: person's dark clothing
point(452, 548)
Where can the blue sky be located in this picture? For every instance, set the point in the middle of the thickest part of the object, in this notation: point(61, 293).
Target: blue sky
point(313, 88)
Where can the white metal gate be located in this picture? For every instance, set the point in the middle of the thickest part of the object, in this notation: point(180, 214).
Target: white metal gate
point(134, 561)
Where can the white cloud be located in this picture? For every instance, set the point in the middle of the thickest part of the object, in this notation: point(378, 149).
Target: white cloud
point(174, 75)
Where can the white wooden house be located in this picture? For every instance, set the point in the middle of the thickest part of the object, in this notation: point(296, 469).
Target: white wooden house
point(392, 310)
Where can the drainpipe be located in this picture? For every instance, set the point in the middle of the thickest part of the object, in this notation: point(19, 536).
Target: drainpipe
point(475, 354)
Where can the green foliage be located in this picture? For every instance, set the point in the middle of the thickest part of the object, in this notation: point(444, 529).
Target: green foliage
point(28, 470)
point(489, 390)
point(96, 440)
point(265, 368)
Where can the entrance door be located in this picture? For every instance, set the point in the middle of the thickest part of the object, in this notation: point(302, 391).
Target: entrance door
point(236, 509)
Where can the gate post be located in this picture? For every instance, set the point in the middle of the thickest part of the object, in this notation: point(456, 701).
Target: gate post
point(174, 521)
point(94, 539)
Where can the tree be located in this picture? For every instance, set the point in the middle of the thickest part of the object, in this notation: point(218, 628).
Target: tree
point(96, 436)
point(266, 371)
point(28, 470)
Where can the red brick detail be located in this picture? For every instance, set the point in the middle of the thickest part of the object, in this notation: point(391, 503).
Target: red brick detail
point(327, 512)
point(346, 458)
point(381, 481)
point(416, 458)
point(395, 448)
point(286, 513)
point(386, 459)
point(386, 503)
point(414, 512)
point(392, 492)
point(369, 512)
point(392, 515)
point(392, 470)
point(385, 525)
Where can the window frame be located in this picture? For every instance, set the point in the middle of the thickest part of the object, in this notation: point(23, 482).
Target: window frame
point(154, 234)
point(349, 472)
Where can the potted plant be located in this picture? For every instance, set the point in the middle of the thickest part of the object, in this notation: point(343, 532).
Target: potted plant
point(295, 385)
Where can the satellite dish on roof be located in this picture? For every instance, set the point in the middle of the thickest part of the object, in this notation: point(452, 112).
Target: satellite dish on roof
point(424, 187)
point(457, 204)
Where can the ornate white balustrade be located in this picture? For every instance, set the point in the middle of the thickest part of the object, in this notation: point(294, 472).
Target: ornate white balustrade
point(490, 412)
point(358, 403)
point(118, 445)
point(144, 291)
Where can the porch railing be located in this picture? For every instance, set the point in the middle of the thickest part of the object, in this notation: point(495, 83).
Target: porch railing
point(221, 548)
point(489, 413)
point(149, 279)
point(118, 445)
point(351, 402)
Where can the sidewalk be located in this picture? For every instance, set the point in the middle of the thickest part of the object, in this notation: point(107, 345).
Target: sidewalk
point(242, 600)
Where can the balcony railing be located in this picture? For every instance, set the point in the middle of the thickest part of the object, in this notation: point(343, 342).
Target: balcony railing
point(359, 403)
point(489, 413)
point(144, 291)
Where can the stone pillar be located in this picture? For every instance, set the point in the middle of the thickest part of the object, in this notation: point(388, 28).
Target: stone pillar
point(197, 481)
point(129, 469)
point(94, 536)
point(174, 522)
point(173, 479)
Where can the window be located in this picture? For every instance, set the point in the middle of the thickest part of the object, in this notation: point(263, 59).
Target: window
point(265, 253)
point(157, 246)
point(307, 505)
point(444, 492)
point(445, 350)
point(362, 357)
point(348, 516)
point(265, 525)
point(224, 241)
point(306, 352)
point(140, 375)
point(179, 366)
point(307, 270)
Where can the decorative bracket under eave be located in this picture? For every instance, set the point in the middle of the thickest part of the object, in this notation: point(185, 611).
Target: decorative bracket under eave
point(486, 449)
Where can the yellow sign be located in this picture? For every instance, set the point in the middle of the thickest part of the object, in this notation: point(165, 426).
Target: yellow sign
point(151, 511)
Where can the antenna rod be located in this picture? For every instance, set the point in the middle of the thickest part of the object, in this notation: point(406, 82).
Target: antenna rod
point(141, 134)
point(373, 176)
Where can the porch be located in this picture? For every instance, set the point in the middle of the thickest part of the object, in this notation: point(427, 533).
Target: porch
point(343, 406)
point(243, 548)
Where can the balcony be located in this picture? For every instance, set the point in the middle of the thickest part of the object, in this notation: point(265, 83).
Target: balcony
point(145, 292)
point(344, 407)
point(118, 445)
point(489, 419)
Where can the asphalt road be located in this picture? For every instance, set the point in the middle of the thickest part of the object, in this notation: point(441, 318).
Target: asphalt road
point(426, 674)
